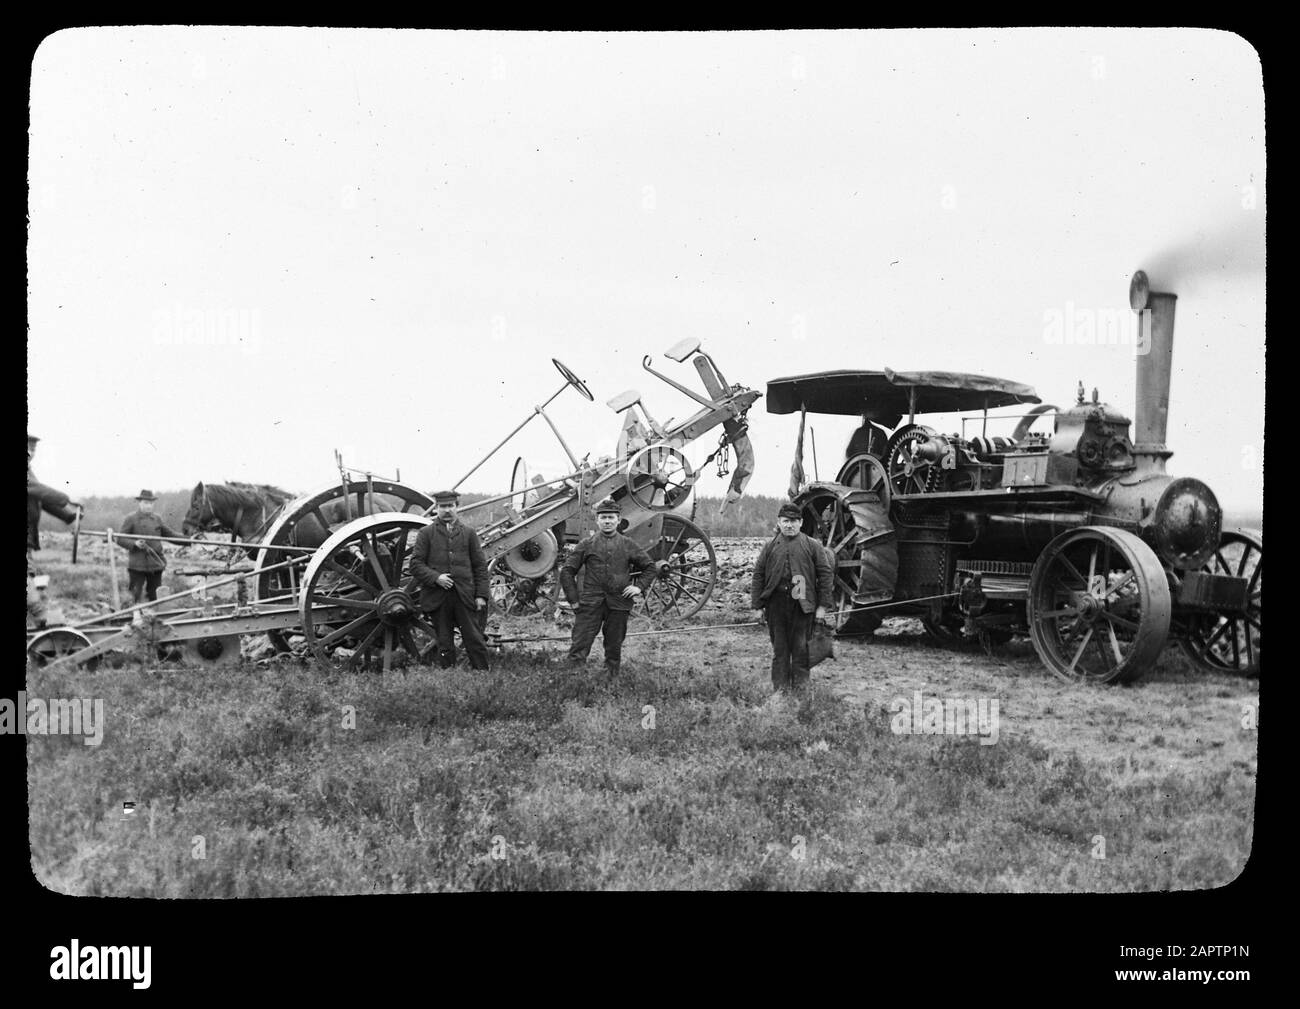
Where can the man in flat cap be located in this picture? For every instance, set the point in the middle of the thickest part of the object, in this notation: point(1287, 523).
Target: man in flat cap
point(449, 563)
point(145, 563)
point(792, 584)
point(606, 559)
point(42, 498)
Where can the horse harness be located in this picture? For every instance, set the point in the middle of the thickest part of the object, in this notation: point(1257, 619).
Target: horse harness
point(239, 515)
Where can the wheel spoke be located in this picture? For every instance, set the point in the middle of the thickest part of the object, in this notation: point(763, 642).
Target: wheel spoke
point(1115, 618)
point(351, 576)
point(1073, 570)
point(364, 647)
point(368, 547)
point(1114, 590)
point(345, 630)
point(684, 591)
point(409, 643)
point(1086, 638)
point(398, 551)
point(347, 602)
point(1114, 644)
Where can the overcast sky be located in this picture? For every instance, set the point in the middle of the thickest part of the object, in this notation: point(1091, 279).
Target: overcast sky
point(249, 247)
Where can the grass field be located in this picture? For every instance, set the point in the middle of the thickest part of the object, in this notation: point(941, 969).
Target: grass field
point(292, 779)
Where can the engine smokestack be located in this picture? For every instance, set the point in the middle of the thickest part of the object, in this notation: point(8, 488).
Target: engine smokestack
point(1155, 311)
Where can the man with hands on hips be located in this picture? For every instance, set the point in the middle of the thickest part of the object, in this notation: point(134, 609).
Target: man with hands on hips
point(606, 559)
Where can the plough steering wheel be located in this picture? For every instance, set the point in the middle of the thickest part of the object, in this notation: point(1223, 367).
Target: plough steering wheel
point(572, 379)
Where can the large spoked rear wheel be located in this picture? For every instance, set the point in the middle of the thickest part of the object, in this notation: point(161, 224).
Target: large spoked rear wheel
point(309, 520)
point(1099, 606)
point(686, 582)
point(359, 602)
point(1230, 642)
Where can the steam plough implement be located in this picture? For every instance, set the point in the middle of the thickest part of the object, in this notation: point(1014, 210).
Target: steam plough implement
point(332, 569)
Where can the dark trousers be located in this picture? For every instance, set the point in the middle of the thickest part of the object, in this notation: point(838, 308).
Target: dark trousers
point(789, 627)
point(589, 620)
point(144, 583)
point(451, 614)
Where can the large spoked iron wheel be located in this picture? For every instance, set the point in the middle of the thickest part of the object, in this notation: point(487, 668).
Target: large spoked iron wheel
point(309, 520)
point(359, 603)
point(1099, 606)
point(685, 583)
point(1230, 642)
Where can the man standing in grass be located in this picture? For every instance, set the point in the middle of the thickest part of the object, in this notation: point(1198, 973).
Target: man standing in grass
point(145, 563)
point(792, 585)
point(449, 563)
point(606, 559)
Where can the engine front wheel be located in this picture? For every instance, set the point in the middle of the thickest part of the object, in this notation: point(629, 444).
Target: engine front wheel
point(1099, 606)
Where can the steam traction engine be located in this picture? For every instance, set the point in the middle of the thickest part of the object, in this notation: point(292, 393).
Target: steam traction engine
point(1077, 538)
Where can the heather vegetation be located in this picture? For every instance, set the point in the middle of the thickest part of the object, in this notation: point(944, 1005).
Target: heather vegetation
point(287, 778)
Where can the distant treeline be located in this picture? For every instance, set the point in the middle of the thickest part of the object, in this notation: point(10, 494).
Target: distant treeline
point(105, 512)
point(752, 515)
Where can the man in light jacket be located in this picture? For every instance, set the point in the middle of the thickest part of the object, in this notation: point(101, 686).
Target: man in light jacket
point(792, 584)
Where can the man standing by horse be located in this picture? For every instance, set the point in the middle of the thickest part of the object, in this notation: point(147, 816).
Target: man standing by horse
point(41, 498)
point(449, 563)
point(146, 562)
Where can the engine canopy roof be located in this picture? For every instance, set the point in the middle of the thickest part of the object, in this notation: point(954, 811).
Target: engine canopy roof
point(885, 395)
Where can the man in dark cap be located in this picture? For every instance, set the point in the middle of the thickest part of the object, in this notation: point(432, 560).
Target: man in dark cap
point(41, 498)
point(792, 584)
point(606, 559)
point(145, 563)
point(449, 563)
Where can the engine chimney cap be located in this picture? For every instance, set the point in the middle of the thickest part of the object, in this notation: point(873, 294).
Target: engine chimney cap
point(1139, 290)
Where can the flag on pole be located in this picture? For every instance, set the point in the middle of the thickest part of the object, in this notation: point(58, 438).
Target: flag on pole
point(796, 470)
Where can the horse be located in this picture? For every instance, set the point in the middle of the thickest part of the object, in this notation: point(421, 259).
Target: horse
point(248, 510)
point(243, 509)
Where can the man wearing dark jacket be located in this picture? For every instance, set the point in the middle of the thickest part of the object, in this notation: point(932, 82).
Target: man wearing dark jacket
point(449, 563)
point(606, 559)
point(41, 498)
point(793, 583)
point(145, 563)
